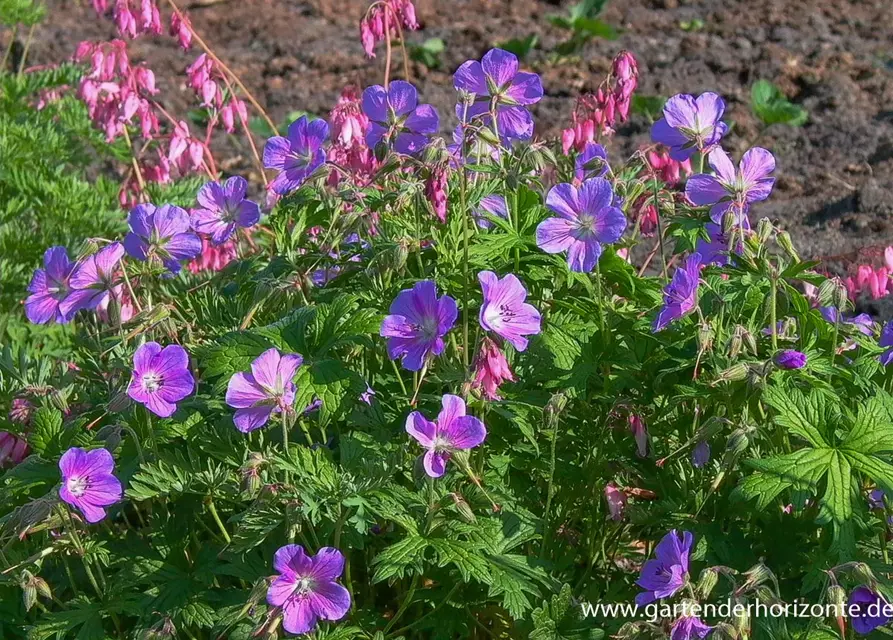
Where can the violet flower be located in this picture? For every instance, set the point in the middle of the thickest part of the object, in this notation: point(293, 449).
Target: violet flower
point(886, 341)
point(690, 124)
point(93, 280)
point(223, 208)
point(305, 588)
point(493, 204)
point(417, 322)
point(700, 455)
point(161, 377)
point(397, 118)
point(591, 163)
point(790, 359)
point(688, 628)
point(587, 220)
point(743, 186)
point(496, 83)
point(269, 388)
point(681, 294)
point(862, 322)
point(504, 311)
point(876, 499)
point(164, 232)
point(715, 250)
point(49, 287)
point(666, 574)
point(88, 483)
point(298, 155)
point(453, 430)
point(868, 610)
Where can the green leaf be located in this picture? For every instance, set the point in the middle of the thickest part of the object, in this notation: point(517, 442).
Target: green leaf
point(234, 352)
point(465, 557)
point(772, 107)
point(805, 416)
point(400, 559)
point(45, 431)
point(561, 619)
point(521, 47)
point(837, 503)
point(872, 432)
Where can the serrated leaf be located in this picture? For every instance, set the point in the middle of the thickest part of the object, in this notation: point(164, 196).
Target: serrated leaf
point(805, 416)
point(46, 428)
point(400, 559)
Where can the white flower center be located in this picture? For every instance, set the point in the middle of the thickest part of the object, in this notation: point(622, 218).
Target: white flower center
point(304, 586)
point(151, 382)
point(77, 485)
point(441, 444)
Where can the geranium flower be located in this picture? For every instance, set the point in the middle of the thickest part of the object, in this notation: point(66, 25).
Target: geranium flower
point(688, 628)
point(88, 483)
point(681, 294)
point(453, 430)
point(886, 341)
point(306, 589)
point(700, 455)
point(868, 610)
point(790, 359)
point(493, 204)
point(495, 80)
point(690, 124)
point(616, 500)
point(397, 118)
point(591, 163)
point(588, 219)
point(161, 231)
point(741, 187)
point(297, 156)
point(161, 377)
point(93, 280)
point(49, 287)
point(504, 311)
point(267, 389)
point(417, 323)
point(223, 208)
point(666, 573)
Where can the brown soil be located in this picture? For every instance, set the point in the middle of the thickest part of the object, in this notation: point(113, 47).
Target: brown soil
point(835, 58)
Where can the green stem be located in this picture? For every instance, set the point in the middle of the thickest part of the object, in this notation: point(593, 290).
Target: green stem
point(217, 519)
point(12, 39)
point(660, 229)
point(28, 41)
point(399, 377)
point(773, 312)
point(546, 528)
point(403, 605)
point(415, 623)
point(79, 546)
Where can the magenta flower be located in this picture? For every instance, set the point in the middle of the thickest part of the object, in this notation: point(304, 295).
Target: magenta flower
point(690, 124)
point(496, 82)
point(397, 118)
point(493, 204)
point(298, 155)
point(688, 628)
point(161, 377)
point(13, 449)
point(417, 322)
point(49, 287)
point(504, 311)
point(790, 359)
point(267, 389)
point(681, 294)
point(664, 575)
point(88, 483)
point(491, 369)
point(587, 220)
point(740, 187)
point(93, 280)
point(306, 589)
point(164, 232)
point(591, 163)
point(453, 430)
point(223, 208)
point(868, 610)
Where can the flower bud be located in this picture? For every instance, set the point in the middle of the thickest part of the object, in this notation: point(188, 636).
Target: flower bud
point(740, 618)
point(736, 342)
point(724, 631)
point(764, 230)
point(863, 573)
point(783, 238)
point(707, 582)
point(750, 340)
point(737, 444)
point(111, 434)
point(734, 373)
point(463, 508)
point(29, 591)
point(826, 292)
point(757, 575)
point(765, 595)
point(705, 337)
point(119, 402)
point(836, 597)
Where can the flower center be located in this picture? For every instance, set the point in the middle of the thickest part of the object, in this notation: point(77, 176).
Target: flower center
point(304, 586)
point(441, 444)
point(585, 225)
point(152, 382)
point(428, 328)
point(77, 485)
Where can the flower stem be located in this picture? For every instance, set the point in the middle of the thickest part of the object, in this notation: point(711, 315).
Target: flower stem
point(403, 605)
point(463, 202)
point(217, 519)
point(660, 229)
point(773, 311)
point(28, 41)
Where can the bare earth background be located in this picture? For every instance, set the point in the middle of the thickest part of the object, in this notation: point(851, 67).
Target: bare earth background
point(835, 58)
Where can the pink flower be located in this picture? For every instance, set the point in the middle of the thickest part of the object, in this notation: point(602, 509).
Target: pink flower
point(213, 257)
point(13, 449)
point(383, 18)
point(436, 191)
point(491, 369)
point(667, 169)
point(616, 500)
point(181, 27)
point(20, 412)
point(640, 433)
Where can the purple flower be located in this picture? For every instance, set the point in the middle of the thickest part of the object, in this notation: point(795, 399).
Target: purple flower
point(163, 231)
point(876, 499)
point(790, 359)
point(592, 163)
point(397, 118)
point(417, 322)
point(88, 483)
point(747, 184)
point(689, 627)
point(453, 430)
point(716, 249)
point(664, 575)
point(223, 207)
point(588, 219)
point(493, 204)
point(49, 287)
point(868, 610)
point(93, 279)
point(862, 322)
point(496, 82)
point(886, 341)
point(366, 396)
point(161, 377)
point(268, 389)
point(681, 294)
point(690, 124)
point(504, 311)
point(306, 589)
point(298, 155)
point(700, 455)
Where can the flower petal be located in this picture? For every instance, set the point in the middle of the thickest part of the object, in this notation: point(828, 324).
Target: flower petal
point(247, 420)
point(703, 189)
point(500, 66)
point(292, 559)
point(330, 601)
point(470, 77)
point(423, 120)
point(554, 235)
point(375, 103)
point(582, 255)
point(328, 564)
point(420, 428)
point(402, 97)
point(453, 408)
point(465, 432)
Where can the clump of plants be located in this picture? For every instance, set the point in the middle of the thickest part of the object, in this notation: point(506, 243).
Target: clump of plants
point(459, 388)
